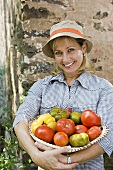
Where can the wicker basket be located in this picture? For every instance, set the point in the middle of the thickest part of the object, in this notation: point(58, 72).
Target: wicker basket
point(73, 149)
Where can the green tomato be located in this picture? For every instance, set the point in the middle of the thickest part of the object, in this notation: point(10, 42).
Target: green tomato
point(76, 117)
point(55, 111)
point(58, 117)
point(64, 114)
point(58, 113)
point(79, 139)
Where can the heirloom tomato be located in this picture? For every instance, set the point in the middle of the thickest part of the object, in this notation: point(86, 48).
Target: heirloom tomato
point(44, 119)
point(79, 139)
point(45, 133)
point(80, 129)
point(52, 125)
point(65, 125)
point(58, 113)
point(90, 118)
point(34, 125)
point(69, 111)
point(76, 117)
point(61, 139)
point(94, 132)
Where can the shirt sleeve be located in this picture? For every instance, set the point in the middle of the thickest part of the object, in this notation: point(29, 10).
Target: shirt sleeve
point(31, 105)
point(105, 110)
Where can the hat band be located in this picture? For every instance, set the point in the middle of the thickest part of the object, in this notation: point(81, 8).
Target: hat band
point(70, 30)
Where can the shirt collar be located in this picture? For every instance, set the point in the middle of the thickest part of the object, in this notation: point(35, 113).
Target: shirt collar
point(59, 77)
point(82, 79)
point(85, 79)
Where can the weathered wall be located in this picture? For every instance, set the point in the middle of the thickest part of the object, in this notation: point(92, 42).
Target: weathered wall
point(39, 15)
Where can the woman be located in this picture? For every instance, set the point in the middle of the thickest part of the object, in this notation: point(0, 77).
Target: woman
point(73, 88)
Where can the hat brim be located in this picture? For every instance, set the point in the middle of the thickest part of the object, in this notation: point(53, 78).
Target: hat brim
point(47, 50)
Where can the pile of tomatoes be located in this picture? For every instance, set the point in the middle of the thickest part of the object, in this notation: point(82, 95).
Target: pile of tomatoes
point(63, 127)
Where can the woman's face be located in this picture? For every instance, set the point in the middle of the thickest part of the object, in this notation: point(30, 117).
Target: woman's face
point(68, 54)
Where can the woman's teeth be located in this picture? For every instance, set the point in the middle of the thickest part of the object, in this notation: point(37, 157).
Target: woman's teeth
point(67, 65)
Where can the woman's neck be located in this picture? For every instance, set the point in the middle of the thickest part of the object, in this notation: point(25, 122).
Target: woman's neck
point(69, 78)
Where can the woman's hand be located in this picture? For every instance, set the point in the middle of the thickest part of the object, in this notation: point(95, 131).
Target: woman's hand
point(42, 147)
point(48, 158)
point(44, 157)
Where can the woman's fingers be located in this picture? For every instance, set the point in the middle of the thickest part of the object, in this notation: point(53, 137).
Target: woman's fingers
point(57, 151)
point(42, 146)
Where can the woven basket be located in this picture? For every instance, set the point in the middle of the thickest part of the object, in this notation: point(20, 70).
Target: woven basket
point(73, 149)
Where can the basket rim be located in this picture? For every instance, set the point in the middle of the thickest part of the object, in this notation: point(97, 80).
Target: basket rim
point(105, 130)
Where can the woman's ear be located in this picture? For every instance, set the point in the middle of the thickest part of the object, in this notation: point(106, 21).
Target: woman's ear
point(84, 47)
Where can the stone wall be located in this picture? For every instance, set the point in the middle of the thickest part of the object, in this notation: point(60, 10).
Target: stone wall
point(39, 15)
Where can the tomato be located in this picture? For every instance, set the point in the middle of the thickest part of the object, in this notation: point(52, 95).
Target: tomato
point(55, 111)
point(61, 139)
point(34, 125)
point(58, 113)
point(94, 132)
point(52, 125)
point(65, 125)
point(79, 139)
point(90, 118)
point(69, 111)
point(44, 119)
point(80, 129)
point(76, 117)
point(45, 133)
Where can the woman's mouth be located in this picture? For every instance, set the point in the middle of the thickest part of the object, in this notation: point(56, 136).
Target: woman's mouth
point(69, 65)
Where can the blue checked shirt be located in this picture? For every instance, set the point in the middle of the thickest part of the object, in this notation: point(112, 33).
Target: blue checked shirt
point(87, 92)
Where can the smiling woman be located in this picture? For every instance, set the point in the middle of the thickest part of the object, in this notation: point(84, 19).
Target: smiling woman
point(71, 53)
point(68, 55)
point(73, 88)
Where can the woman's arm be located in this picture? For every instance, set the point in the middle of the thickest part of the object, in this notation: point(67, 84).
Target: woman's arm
point(25, 140)
point(81, 156)
point(88, 154)
point(48, 159)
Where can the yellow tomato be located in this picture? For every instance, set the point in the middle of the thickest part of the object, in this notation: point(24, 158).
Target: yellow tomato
point(52, 125)
point(45, 119)
point(34, 125)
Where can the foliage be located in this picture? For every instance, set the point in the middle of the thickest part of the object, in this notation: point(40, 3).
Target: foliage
point(10, 158)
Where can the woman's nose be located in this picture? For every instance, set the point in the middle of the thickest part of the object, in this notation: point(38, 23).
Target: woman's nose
point(65, 57)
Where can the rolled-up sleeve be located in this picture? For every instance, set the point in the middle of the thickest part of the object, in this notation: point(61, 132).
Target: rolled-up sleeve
point(31, 105)
point(105, 110)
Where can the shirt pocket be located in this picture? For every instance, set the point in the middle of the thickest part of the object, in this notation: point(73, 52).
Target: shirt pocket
point(81, 108)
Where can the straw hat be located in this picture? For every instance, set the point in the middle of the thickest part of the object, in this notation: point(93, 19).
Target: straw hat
point(65, 28)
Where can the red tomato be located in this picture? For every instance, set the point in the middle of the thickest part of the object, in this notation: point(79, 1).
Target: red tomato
point(61, 139)
point(65, 125)
point(69, 111)
point(94, 132)
point(90, 118)
point(80, 129)
point(45, 133)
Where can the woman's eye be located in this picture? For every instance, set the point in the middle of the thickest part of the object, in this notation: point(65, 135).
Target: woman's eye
point(71, 49)
point(57, 53)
